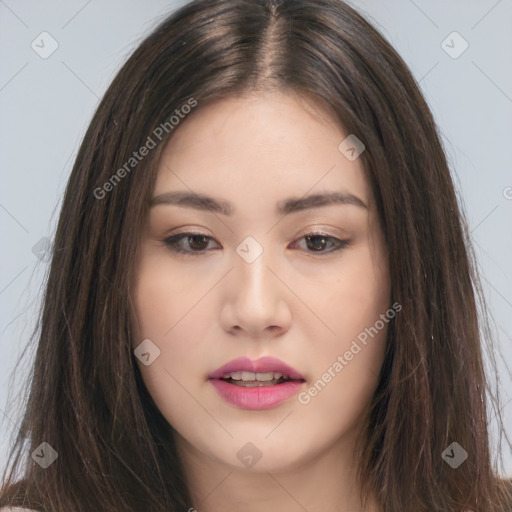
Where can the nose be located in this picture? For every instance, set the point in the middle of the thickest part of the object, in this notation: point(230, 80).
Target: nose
point(256, 300)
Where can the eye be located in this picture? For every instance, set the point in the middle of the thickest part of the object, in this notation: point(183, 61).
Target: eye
point(197, 243)
point(317, 243)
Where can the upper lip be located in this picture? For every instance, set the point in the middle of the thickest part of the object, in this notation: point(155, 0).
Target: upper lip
point(262, 365)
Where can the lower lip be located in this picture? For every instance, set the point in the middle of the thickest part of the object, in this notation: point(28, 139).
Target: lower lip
point(257, 397)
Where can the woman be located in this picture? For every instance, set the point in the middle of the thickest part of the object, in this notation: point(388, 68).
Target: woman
point(275, 304)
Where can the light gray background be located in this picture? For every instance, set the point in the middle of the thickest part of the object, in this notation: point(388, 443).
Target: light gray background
point(46, 105)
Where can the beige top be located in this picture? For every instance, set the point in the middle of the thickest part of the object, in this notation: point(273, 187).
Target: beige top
point(15, 509)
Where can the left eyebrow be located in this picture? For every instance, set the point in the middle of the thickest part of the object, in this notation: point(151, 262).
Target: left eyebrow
point(297, 204)
point(289, 205)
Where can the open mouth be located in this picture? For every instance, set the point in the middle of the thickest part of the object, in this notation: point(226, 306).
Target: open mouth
point(252, 379)
point(261, 384)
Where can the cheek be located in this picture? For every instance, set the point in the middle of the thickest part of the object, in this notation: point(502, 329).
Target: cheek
point(165, 293)
point(163, 301)
point(167, 305)
point(155, 301)
point(348, 358)
point(351, 296)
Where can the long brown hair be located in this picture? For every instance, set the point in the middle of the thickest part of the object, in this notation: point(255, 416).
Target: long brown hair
point(87, 399)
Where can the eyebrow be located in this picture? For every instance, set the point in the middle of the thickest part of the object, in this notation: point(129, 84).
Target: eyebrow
point(289, 205)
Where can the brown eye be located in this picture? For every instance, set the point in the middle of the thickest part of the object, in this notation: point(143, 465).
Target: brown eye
point(197, 243)
point(319, 242)
point(316, 242)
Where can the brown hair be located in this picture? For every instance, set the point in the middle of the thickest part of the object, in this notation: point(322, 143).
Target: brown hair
point(87, 398)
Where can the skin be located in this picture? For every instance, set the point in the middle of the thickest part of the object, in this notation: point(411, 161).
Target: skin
point(292, 303)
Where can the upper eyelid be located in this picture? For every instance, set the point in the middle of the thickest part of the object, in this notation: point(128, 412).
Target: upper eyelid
point(340, 243)
point(303, 234)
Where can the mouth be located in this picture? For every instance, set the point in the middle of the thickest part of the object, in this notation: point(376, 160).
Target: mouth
point(261, 384)
point(267, 370)
point(252, 379)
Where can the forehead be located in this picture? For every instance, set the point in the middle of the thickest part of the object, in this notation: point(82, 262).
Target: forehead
point(259, 148)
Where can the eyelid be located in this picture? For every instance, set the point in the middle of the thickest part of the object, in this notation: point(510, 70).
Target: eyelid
point(338, 242)
point(171, 242)
point(176, 237)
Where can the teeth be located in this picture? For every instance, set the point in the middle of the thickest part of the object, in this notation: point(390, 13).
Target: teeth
point(254, 383)
point(251, 376)
point(248, 376)
point(262, 377)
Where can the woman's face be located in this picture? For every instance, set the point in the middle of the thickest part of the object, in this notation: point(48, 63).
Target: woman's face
point(252, 298)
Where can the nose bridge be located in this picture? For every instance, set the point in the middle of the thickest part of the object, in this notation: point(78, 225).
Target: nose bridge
point(251, 273)
point(256, 297)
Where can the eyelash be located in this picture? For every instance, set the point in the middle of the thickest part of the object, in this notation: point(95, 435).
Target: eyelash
point(172, 243)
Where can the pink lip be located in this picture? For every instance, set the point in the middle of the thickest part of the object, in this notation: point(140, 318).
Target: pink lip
point(259, 397)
